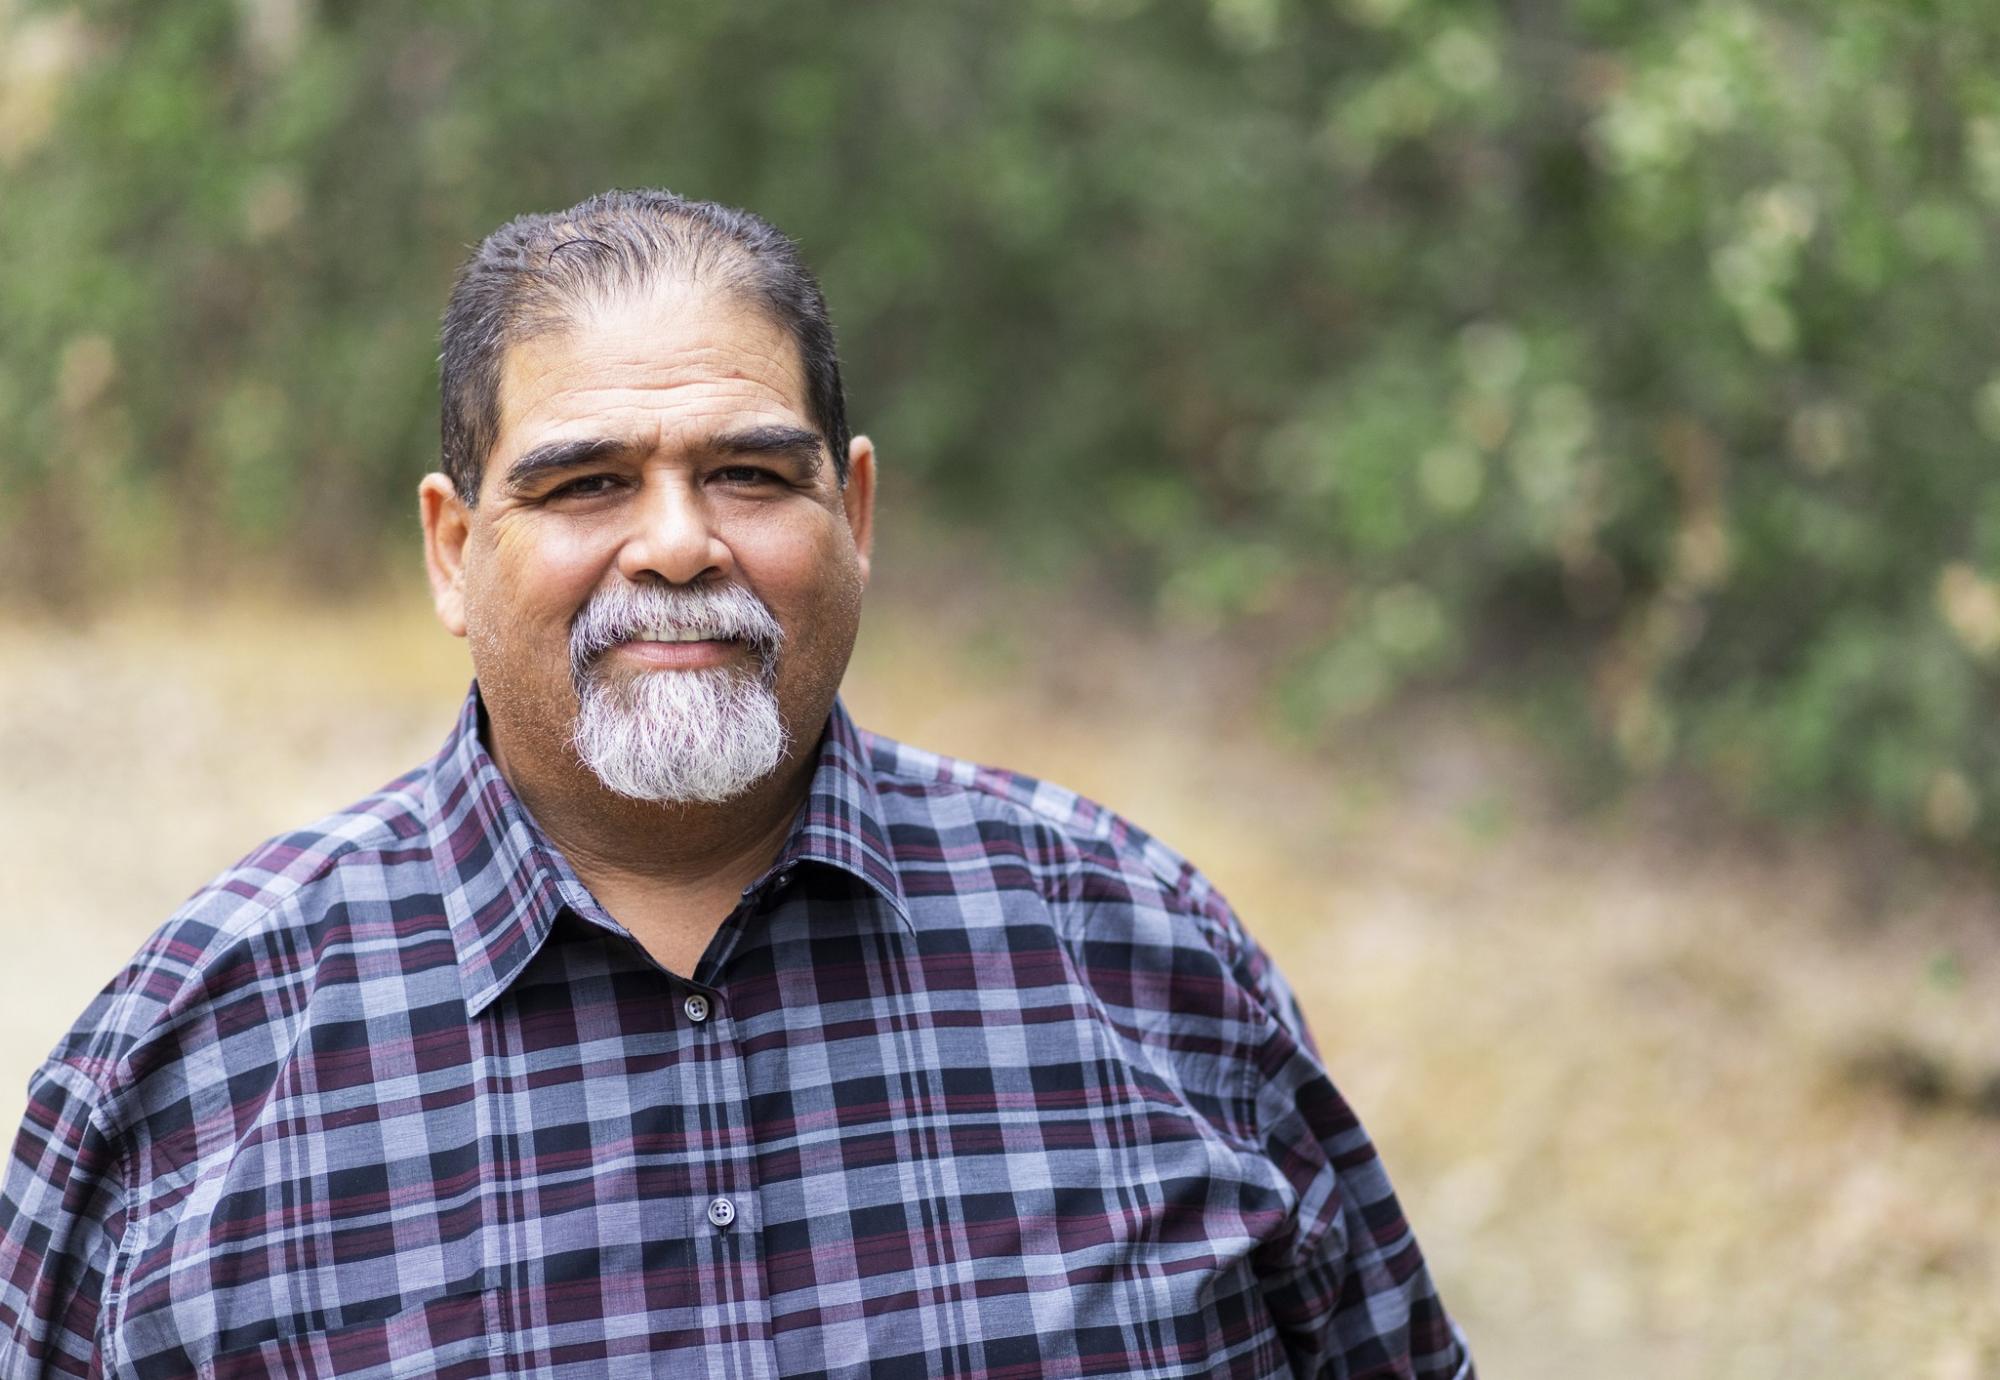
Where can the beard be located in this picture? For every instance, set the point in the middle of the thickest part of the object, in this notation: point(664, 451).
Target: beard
point(699, 736)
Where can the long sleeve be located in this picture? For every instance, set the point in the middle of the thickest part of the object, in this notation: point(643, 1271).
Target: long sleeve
point(1352, 1295)
point(1348, 1286)
point(62, 1211)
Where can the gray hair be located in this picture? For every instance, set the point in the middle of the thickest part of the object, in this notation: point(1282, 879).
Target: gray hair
point(536, 273)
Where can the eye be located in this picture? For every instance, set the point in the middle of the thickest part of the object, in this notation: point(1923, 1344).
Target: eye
point(584, 486)
point(744, 474)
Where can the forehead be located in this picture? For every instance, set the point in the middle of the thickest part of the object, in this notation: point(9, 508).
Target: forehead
point(652, 368)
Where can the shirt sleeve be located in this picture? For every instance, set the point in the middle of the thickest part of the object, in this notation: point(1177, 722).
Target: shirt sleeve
point(61, 1215)
point(1348, 1287)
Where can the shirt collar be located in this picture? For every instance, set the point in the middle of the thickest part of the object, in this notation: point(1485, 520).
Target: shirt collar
point(503, 882)
point(841, 823)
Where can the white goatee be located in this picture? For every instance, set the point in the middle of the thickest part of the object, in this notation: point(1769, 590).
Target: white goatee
point(678, 737)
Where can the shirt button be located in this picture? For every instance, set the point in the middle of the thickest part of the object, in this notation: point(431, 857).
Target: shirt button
point(722, 1212)
point(697, 1008)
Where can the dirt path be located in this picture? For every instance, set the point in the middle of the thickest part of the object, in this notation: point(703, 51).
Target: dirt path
point(1657, 1109)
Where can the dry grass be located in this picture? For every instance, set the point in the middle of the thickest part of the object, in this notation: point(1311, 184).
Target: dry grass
point(1658, 1108)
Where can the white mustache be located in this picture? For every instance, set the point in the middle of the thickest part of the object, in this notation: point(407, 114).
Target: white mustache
point(625, 613)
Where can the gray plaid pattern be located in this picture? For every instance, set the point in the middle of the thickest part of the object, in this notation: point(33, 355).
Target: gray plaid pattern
point(988, 1083)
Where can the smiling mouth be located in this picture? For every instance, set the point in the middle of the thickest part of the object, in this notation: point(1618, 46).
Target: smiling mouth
point(667, 649)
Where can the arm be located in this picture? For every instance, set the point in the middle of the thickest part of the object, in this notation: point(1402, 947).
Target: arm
point(1348, 1286)
point(1352, 1293)
point(62, 1211)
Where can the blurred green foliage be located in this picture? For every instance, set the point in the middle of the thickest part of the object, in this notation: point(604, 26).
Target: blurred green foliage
point(1640, 352)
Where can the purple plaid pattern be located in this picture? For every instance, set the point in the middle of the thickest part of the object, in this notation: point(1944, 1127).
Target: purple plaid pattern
point(987, 1083)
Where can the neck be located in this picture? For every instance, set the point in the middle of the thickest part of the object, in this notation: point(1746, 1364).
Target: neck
point(619, 846)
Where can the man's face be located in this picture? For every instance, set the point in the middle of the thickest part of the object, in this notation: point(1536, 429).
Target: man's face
point(662, 443)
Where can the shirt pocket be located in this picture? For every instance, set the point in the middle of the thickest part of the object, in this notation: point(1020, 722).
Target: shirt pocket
point(455, 1336)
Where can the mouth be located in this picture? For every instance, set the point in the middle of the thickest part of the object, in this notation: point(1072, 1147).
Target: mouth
point(679, 649)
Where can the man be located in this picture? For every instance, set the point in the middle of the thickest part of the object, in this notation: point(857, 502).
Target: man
point(667, 1023)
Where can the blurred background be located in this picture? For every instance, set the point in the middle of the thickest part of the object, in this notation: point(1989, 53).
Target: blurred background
point(1509, 487)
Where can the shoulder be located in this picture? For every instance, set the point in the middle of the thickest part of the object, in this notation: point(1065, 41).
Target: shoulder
point(1113, 882)
point(1010, 811)
point(1150, 947)
point(239, 949)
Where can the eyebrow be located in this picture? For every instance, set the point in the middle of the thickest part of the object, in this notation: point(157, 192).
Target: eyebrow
point(558, 455)
point(794, 441)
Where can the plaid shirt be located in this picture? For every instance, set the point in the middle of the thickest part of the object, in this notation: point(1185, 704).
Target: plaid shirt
point(977, 1080)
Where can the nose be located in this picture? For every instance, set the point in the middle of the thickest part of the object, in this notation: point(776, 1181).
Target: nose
point(672, 536)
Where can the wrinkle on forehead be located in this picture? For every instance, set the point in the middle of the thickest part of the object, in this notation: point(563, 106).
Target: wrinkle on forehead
point(679, 353)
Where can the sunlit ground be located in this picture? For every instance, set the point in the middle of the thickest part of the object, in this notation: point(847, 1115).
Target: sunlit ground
point(1658, 1108)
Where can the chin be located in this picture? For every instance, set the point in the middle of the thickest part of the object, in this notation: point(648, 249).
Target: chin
point(685, 738)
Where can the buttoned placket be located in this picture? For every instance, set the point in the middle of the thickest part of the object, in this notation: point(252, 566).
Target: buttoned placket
point(728, 1225)
point(724, 1217)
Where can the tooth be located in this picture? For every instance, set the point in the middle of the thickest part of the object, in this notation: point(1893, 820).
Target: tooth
point(662, 632)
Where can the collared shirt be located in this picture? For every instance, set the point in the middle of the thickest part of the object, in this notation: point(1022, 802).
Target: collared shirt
point(976, 1080)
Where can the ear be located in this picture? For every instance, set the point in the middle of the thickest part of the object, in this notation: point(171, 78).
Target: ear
point(858, 498)
point(447, 526)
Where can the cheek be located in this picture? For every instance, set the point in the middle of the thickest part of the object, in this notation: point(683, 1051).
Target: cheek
point(809, 580)
point(536, 577)
point(827, 617)
point(520, 596)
